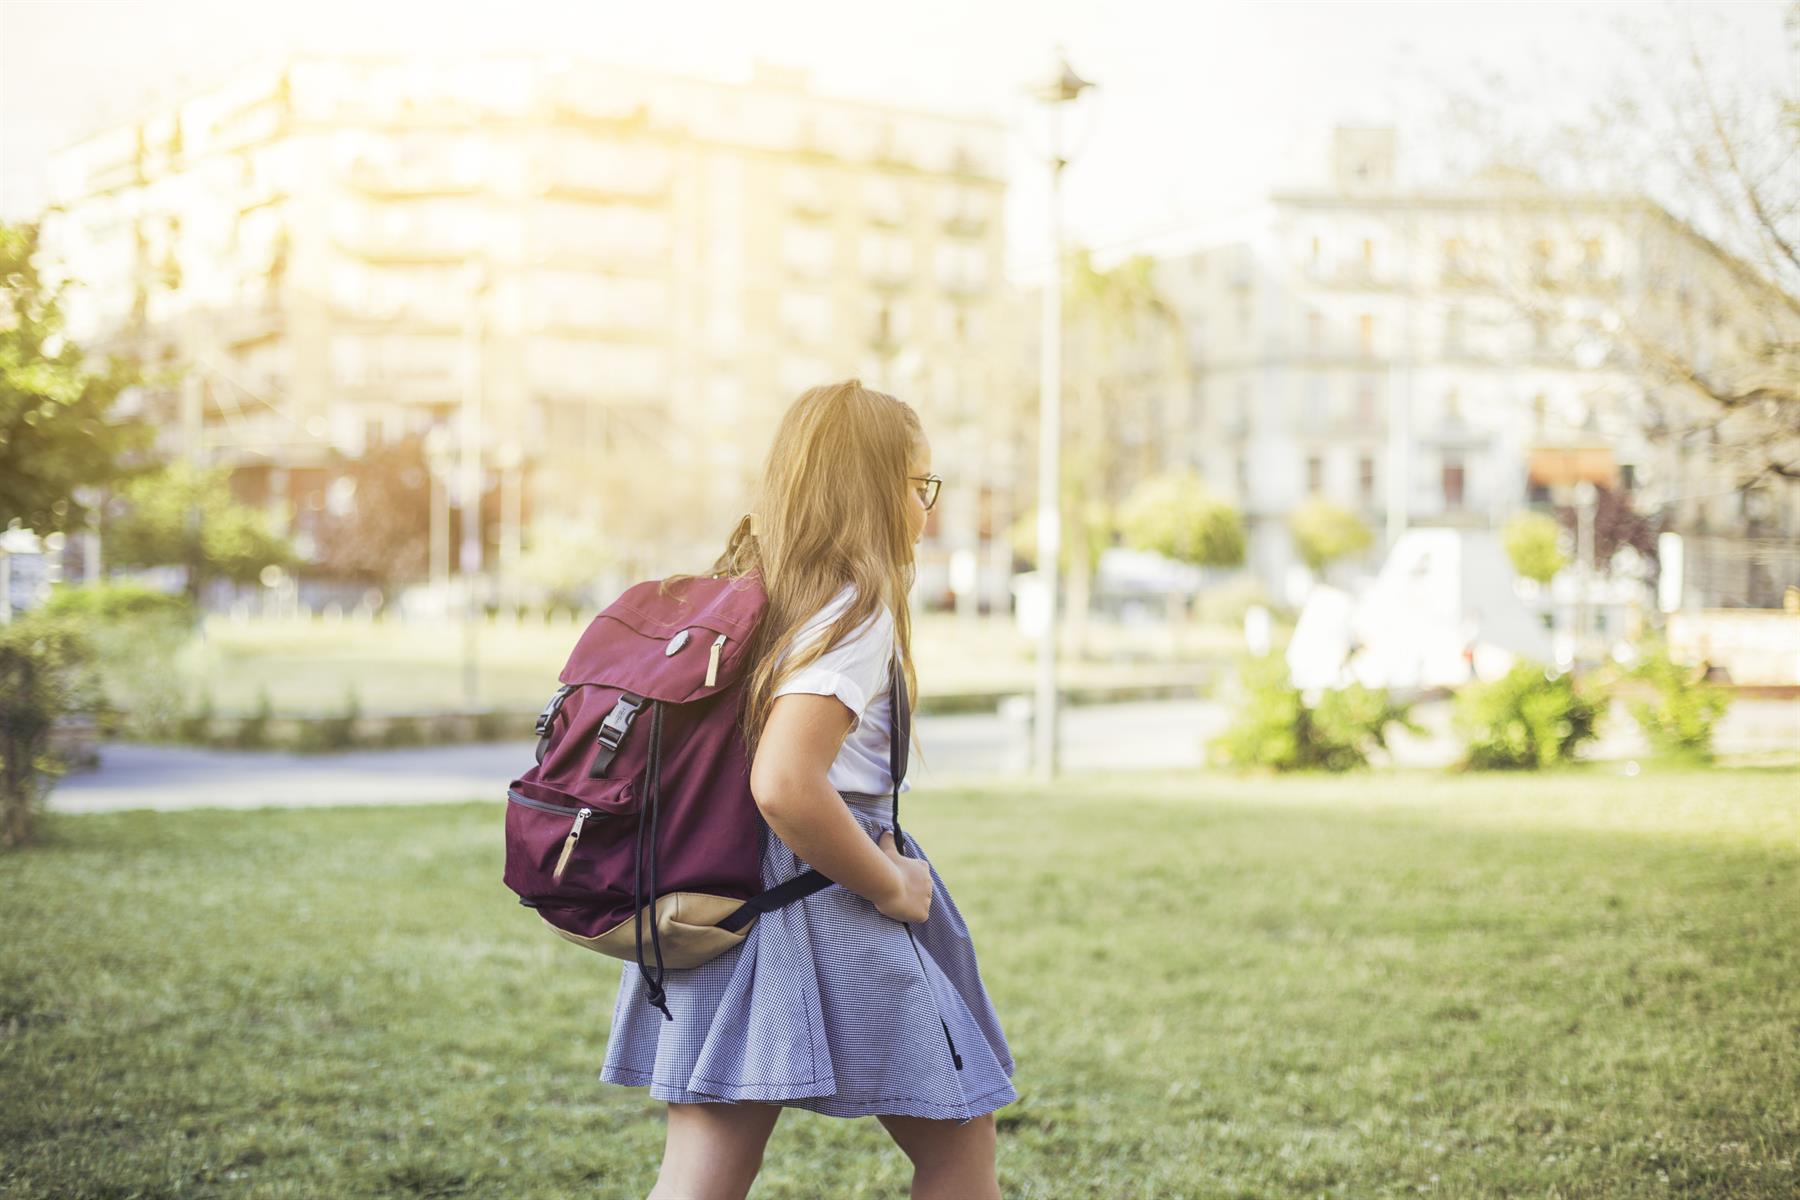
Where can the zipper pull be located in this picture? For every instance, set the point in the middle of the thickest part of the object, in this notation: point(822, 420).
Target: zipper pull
point(712, 661)
point(569, 844)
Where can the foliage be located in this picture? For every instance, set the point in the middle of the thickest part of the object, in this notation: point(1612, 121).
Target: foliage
point(382, 536)
point(1533, 542)
point(563, 559)
point(1711, 149)
point(108, 601)
point(336, 732)
point(1178, 517)
point(59, 433)
point(1529, 718)
point(253, 731)
point(45, 676)
point(1324, 532)
point(1679, 721)
point(1278, 727)
point(138, 639)
point(186, 516)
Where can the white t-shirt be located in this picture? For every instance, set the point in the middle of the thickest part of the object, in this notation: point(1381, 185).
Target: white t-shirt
point(856, 671)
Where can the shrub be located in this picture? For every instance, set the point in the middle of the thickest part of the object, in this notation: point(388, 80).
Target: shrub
point(195, 726)
point(1529, 718)
point(1277, 727)
point(116, 602)
point(1324, 533)
point(1679, 721)
point(45, 675)
point(253, 731)
point(336, 732)
point(137, 635)
point(1533, 542)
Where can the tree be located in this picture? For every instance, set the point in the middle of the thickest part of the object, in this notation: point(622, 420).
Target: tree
point(1698, 164)
point(1177, 517)
point(182, 515)
point(46, 674)
point(383, 535)
point(59, 434)
point(1126, 360)
point(1533, 542)
point(1324, 532)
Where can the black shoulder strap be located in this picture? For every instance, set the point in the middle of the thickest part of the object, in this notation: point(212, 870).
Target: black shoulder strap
point(899, 744)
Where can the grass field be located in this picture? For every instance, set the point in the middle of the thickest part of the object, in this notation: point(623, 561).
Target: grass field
point(1575, 985)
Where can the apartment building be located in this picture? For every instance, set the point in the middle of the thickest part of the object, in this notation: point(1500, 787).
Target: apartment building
point(615, 278)
point(1426, 356)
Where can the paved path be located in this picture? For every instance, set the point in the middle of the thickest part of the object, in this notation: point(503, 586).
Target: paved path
point(958, 748)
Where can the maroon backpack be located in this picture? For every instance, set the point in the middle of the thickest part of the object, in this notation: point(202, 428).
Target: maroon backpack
point(643, 743)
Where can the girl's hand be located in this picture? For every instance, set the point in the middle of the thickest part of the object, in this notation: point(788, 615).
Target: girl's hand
point(910, 899)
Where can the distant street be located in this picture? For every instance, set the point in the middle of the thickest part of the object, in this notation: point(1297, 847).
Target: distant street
point(1150, 734)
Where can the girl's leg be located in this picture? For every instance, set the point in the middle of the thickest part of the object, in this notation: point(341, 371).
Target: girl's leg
point(714, 1151)
point(950, 1161)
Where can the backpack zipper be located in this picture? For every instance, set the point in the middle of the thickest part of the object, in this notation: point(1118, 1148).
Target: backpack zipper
point(569, 843)
point(712, 661)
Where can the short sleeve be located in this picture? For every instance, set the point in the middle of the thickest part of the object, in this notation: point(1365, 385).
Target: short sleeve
point(856, 669)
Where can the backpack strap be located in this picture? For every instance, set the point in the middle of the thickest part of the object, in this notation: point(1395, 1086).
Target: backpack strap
point(808, 882)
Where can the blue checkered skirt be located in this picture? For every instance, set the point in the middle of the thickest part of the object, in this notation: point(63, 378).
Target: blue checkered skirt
point(825, 1005)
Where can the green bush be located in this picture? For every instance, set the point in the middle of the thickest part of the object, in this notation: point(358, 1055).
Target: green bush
point(1276, 727)
point(46, 674)
point(116, 602)
point(1678, 723)
point(195, 726)
point(137, 635)
point(1529, 718)
point(253, 731)
point(332, 733)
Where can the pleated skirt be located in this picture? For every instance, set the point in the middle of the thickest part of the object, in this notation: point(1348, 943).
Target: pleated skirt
point(826, 1005)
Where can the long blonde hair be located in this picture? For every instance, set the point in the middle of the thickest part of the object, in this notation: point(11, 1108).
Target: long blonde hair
point(831, 510)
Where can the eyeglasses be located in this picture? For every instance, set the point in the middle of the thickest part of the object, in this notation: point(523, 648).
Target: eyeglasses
point(928, 488)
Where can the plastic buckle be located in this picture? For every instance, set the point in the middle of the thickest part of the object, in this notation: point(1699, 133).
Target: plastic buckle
point(548, 716)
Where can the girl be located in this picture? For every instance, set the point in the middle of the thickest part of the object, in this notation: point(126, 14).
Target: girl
point(863, 998)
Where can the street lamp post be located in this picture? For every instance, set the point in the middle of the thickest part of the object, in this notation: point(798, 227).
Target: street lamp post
point(1062, 88)
point(469, 559)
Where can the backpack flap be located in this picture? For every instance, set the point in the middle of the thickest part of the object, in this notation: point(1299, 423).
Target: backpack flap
point(688, 645)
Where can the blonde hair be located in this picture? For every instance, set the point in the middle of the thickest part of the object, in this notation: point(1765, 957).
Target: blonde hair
point(831, 509)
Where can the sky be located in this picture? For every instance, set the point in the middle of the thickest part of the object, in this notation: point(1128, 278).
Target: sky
point(1200, 109)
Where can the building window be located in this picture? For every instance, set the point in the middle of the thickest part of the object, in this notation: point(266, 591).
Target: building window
point(1243, 477)
point(1540, 407)
point(1315, 474)
point(1313, 253)
point(1453, 483)
point(1365, 405)
point(1365, 333)
point(1452, 407)
point(1315, 332)
point(1368, 255)
point(1365, 479)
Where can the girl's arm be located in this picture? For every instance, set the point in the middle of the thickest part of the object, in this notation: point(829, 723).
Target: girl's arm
point(788, 780)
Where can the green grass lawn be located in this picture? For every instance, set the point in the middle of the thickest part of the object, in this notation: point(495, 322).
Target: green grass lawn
point(1575, 985)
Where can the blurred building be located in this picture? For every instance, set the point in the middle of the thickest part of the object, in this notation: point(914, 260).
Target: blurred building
point(626, 275)
point(1440, 356)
